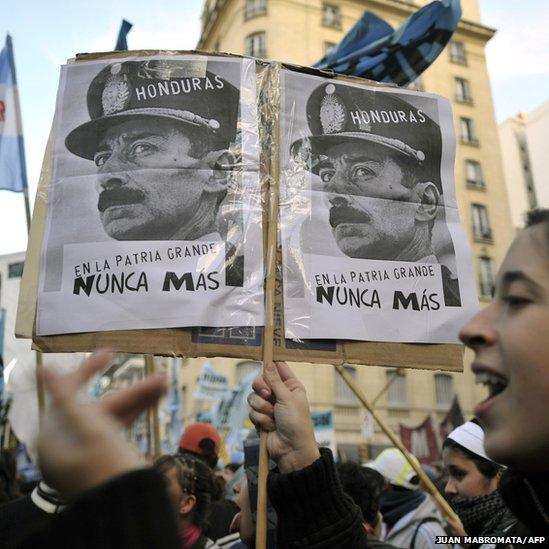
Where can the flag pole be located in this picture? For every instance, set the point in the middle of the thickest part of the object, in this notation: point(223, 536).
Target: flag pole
point(23, 168)
point(441, 502)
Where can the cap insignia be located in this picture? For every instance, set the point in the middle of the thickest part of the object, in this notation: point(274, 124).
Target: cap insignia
point(116, 94)
point(332, 114)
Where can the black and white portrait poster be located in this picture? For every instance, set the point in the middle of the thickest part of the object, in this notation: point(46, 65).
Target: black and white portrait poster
point(154, 209)
point(372, 245)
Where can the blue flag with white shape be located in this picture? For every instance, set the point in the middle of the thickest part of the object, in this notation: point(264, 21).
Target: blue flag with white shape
point(13, 174)
point(373, 49)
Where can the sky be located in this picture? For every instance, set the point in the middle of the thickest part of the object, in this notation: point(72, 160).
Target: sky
point(46, 34)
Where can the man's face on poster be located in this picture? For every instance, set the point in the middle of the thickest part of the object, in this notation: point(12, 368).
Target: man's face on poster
point(150, 180)
point(372, 204)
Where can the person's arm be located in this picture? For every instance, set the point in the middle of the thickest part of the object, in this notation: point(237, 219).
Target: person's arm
point(306, 493)
point(131, 511)
point(116, 501)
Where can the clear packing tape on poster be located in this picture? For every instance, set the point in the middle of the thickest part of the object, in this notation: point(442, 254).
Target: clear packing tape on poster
point(245, 341)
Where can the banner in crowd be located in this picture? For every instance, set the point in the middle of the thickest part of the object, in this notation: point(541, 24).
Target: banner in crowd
point(231, 411)
point(154, 207)
point(323, 423)
point(211, 385)
point(367, 425)
point(372, 244)
point(422, 441)
point(425, 441)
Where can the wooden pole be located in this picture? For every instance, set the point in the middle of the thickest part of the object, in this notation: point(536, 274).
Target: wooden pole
point(154, 421)
point(40, 385)
point(268, 339)
point(441, 502)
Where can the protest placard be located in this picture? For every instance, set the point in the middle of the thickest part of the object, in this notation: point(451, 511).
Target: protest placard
point(229, 341)
point(323, 424)
point(211, 385)
point(372, 245)
point(153, 211)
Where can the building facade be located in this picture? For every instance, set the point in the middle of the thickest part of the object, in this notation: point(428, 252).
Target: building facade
point(302, 31)
point(523, 140)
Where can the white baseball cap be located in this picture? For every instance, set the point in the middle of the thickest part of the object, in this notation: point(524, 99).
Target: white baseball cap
point(392, 464)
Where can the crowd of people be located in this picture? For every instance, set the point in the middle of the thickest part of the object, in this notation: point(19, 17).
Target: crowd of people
point(98, 492)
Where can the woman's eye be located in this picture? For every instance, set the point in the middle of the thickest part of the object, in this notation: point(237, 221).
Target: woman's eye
point(516, 302)
point(326, 174)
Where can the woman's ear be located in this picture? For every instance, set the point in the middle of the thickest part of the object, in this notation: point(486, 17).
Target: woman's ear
point(429, 199)
point(221, 163)
point(187, 504)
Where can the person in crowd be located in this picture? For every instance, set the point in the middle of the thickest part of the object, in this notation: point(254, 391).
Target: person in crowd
point(116, 500)
point(203, 441)
point(28, 512)
point(191, 485)
point(472, 484)
point(9, 489)
point(228, 471)
point(312, 509)
point(365, 486)
point(510, 339)
point(242, 534)
point(410, 516)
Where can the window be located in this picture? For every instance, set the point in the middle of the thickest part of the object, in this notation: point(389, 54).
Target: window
point(254, 8)
point(457, 53)
point(467, 131)
point(396, 394)
point(343, 393)
point(473, 174)
point(256, 45)
point(328, 47)
point(15, 270)
point(331, 16)
point(444, 389)
point(463, 90)
point(486, 272)
point(481, 225)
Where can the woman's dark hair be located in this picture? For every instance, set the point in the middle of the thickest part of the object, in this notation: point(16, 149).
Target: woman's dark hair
point(486, 468)
point(364, 486)
point(195, 478)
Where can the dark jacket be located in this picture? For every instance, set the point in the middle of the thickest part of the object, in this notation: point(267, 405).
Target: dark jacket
point(527, 495)
point(313, 510)
point(132, 511)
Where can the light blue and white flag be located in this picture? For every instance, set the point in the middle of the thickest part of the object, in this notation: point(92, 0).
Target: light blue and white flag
point(210, 385)
point(13, 174)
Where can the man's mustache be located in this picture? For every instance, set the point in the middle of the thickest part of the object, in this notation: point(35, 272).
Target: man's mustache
point(119, 196)
point(344, 213)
